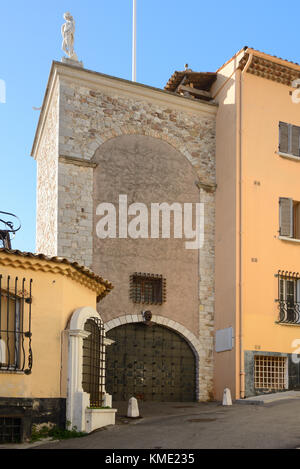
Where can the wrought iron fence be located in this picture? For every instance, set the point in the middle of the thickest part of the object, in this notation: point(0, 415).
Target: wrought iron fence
point(93, 365)
point(15, 324)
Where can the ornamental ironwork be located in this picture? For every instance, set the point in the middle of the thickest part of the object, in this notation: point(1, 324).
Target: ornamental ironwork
point(7, 228)
point(288, 297)
point(15, 324)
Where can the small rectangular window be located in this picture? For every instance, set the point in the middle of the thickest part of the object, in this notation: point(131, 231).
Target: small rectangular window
point(147, 288)
point(270, 372)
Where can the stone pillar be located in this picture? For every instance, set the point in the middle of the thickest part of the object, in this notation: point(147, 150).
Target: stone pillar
point(206, 295)
point(77, 399)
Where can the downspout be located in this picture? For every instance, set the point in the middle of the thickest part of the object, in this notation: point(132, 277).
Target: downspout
point(242, 361)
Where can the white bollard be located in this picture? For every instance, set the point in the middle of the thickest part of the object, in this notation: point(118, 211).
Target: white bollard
point(107, 400)
point(227, 397)
point(133, 408)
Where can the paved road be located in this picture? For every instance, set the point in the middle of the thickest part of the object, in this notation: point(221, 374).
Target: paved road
point(197, 426)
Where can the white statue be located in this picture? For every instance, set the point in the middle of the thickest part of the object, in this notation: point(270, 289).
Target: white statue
point(68, 32)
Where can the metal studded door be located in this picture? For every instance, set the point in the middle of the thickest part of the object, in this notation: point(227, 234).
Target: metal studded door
point(151, 363)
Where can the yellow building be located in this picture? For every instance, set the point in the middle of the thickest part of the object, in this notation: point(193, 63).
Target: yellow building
point(257, 225)
point(52, 343)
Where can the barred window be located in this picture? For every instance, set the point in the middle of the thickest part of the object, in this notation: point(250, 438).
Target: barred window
point(147, 288)
point(289, 297)
point(15, 325)
point(270, 372)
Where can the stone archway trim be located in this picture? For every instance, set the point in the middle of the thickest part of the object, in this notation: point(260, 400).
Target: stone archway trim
point(172, 140)
point(163, 321)
point(81, 315)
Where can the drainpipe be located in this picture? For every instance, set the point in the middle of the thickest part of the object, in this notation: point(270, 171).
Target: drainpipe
point(242, 367)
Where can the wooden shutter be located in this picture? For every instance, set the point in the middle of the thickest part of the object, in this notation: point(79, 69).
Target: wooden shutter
point(286, 217)
point(283, 137)
point(298, 291)
point(296, 140)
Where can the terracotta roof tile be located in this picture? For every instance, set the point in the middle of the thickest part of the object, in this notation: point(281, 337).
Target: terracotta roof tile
point(200, 80)
point(61, 260)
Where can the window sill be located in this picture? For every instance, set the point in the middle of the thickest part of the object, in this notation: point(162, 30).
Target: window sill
point(287, 324)
point(289, 156)
point(10, 372)
point(291, 240)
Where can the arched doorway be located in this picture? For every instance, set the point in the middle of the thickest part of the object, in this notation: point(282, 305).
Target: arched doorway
point(152, 363)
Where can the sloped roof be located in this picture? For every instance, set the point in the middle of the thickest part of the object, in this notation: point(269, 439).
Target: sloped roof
point(200, 80)
point(61, 260)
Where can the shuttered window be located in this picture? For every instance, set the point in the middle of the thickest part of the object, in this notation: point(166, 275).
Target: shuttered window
point(289, 139)
point(295, 140)
point(289, 218)
point(283, 137)
point(286, 217)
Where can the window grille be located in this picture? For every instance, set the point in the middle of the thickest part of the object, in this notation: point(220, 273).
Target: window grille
point(289, 297)
point(147, 288)
point(270, 372)
point(93, 363)
point(15, 324)
point(10, 430)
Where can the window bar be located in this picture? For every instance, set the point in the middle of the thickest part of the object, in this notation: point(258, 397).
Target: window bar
point(29, 301)
point(22, 307)
point(7, 323)
point(102, 362)
point(16, 326)
point(94, 362)
point(0, 318)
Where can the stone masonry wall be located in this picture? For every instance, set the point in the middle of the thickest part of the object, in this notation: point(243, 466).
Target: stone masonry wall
point(88, 117)
point(47, 173)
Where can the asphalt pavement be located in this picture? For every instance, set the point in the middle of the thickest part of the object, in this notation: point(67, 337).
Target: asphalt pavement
point(275, 425)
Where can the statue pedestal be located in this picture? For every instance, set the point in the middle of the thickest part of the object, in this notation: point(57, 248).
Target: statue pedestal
point(75, 63)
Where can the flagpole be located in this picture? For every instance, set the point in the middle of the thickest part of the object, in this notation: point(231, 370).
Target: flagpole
point(134, 42)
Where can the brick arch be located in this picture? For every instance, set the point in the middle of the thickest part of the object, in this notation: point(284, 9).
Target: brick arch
point(172, 140)
point(190, 338)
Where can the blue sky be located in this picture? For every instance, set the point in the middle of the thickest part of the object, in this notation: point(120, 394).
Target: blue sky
point(170, 33)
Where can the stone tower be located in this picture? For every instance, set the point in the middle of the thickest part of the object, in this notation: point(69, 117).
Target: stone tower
point(98, 137)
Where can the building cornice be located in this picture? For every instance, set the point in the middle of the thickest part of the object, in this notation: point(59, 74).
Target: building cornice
point(271, 68)
point(109, 84)
point(77, 161)
point(55, 265)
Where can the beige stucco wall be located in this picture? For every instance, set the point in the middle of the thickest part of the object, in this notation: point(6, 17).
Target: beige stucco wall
point(277, 177)
point(226, 91)
point(148, 171)
point(251, 177)
point(55, 296)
